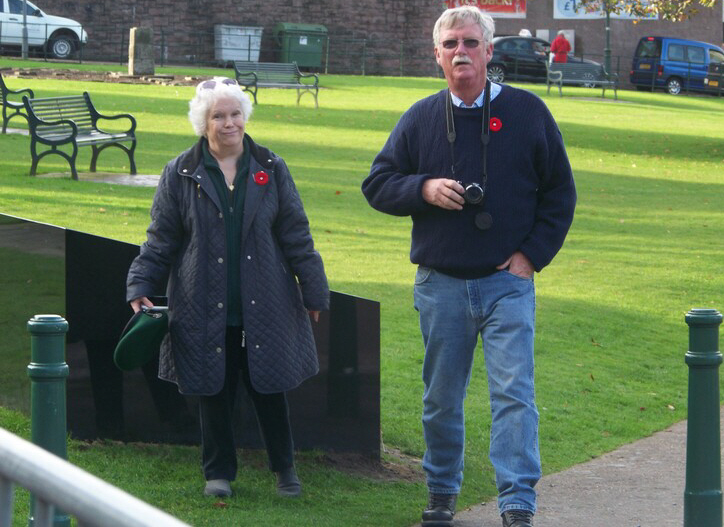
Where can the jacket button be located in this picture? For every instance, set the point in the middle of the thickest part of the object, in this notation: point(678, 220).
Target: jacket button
point(221, 260)
point(218, 350)
point(221, 215)
point(253, 302)
point(256, 346)
point(220, 305)
point(248, 257)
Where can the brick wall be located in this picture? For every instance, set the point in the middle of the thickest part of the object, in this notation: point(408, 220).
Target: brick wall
point(625, 34)
point(390, 28)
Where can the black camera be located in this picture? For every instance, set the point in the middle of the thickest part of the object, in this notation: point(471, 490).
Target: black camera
point(473, 194)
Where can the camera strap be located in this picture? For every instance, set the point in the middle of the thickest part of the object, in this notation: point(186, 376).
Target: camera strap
point(484, 136)
point(483, 220)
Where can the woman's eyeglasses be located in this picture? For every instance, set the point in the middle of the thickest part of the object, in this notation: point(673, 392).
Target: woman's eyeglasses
point(469, 43)
point(211, 84)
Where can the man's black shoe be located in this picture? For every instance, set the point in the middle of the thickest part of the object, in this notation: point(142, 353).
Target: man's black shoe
point(517, 518)
point(440, 510)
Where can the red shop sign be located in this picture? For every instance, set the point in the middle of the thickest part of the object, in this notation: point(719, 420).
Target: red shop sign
point(495, 8)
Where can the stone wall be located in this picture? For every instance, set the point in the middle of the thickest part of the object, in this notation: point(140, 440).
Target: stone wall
point(371, 36)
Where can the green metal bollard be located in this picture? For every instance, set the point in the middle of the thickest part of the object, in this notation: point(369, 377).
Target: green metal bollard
point(47, 371)
point(703, 494)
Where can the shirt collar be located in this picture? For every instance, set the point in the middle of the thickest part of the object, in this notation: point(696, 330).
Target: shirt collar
point(478, 103)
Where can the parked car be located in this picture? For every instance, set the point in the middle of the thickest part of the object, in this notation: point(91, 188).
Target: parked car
point(517, 58)
point(59, 37)
point(673, 64)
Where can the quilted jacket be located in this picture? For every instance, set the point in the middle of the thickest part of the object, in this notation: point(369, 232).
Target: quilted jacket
point(282, 276)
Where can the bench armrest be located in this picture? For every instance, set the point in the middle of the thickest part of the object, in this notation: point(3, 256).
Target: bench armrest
point(22, 90)
point(95, 115)
point(244, 82)
point(119, 116)
point(555, 76)
point(308, 75)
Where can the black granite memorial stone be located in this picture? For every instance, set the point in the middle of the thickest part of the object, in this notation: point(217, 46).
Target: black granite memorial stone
point(82, 277)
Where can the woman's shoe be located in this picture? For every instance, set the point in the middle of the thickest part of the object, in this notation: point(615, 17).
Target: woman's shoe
point(218, 487)
point(288, 483)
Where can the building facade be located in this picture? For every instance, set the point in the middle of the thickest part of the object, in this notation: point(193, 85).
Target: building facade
point(391, 37)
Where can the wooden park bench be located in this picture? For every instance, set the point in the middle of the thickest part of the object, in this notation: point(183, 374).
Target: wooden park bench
point(254, 75)
point(16, 107)
point(585, 74)
point(73, 120)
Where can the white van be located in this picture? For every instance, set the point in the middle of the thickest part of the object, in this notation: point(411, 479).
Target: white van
point(60, 37)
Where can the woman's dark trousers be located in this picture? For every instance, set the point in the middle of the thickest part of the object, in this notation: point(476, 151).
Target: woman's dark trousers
point(217, 439)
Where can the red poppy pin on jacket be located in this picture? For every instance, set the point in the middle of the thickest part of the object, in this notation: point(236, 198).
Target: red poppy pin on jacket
point(261, 178)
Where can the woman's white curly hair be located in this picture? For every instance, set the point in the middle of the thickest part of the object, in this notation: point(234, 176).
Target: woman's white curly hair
point(210, 91)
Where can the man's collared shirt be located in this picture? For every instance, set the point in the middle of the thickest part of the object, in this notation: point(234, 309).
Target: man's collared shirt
point(478, 103)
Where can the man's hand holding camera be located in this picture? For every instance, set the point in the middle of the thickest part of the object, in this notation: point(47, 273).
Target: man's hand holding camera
point(444, 193)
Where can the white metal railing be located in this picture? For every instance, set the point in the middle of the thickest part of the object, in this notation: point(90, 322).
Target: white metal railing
point(56, 483)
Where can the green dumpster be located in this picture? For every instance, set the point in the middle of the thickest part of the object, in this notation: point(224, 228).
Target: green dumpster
point(300, 43)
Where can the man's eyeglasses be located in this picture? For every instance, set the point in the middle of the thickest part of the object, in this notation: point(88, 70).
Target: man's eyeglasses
point(469, 43)
point(211, 84)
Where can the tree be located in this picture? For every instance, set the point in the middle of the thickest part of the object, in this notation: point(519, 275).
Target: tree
point(665, 9)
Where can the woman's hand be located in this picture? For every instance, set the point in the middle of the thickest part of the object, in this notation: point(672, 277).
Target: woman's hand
point(138, 302)
point(314, 315)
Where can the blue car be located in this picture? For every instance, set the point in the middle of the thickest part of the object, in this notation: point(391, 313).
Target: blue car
point(673, 64)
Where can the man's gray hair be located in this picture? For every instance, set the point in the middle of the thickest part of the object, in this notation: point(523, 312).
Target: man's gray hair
point(203, 101)
point(459, 16)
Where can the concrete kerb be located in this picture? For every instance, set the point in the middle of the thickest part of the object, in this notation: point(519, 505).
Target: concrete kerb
point(138, 180)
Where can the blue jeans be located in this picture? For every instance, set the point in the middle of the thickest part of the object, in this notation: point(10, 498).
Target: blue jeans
point(501, 308)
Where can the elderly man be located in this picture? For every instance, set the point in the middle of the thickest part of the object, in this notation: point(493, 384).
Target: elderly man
point(491, 195)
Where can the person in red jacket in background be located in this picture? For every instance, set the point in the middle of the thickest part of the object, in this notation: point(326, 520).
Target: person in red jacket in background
point(560, 48)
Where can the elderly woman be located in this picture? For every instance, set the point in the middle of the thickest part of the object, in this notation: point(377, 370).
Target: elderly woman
point(230, 244)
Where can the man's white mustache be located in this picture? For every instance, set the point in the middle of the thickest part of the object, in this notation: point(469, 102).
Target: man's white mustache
point(461, 59)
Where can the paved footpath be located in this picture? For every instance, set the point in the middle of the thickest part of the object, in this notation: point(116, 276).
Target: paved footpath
point(638, 485)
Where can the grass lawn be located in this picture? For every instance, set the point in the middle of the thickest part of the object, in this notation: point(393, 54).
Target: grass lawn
point(644, 248)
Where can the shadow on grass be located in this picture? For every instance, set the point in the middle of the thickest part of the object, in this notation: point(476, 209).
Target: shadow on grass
point(666, 144)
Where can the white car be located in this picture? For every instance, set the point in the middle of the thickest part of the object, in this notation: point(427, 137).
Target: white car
point(60, 37)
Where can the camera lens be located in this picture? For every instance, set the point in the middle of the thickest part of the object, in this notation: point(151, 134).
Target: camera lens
point(473, 194)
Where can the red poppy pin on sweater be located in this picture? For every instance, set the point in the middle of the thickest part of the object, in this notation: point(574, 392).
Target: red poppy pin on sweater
point(495, 124)
point(261, 178)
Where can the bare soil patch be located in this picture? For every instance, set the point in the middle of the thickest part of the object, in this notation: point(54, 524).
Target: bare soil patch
point(395, 466)
point(101, 76)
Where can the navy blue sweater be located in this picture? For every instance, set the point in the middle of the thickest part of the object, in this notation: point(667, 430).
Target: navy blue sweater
point(530, 192)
